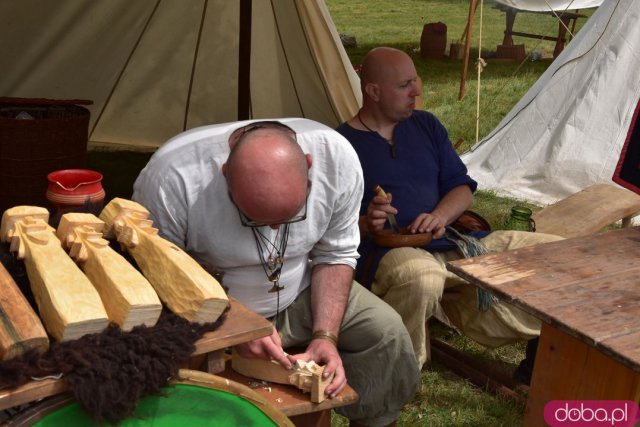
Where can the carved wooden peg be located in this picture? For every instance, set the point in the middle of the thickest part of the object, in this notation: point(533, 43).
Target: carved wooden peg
point(69, 305)
point(181, 283)
point(307, 376)
point(128, 297)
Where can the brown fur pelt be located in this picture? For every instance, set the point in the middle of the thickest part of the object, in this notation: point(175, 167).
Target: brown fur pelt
point(111, 371)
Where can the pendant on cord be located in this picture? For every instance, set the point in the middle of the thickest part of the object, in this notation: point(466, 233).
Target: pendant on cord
point(275, 279)
point(276, 287)
point(272, 262)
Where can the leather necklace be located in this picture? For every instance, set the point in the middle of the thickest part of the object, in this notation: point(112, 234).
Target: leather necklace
point(392, 146)
point(273, 262)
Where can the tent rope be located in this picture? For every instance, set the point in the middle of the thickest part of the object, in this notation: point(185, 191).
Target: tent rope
point(558, 16)
point(482, 63)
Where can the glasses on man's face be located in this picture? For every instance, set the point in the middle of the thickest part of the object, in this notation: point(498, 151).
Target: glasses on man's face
point(248, 222)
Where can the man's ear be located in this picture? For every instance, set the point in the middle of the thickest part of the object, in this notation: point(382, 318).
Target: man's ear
point(373, 91)
point(224, 170)
point(309, 161)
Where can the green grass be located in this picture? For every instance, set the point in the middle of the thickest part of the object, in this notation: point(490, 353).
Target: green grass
point(445, 399)
point(400, 23)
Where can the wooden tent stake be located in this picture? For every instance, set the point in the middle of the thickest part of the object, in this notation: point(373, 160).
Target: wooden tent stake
point(467, 47)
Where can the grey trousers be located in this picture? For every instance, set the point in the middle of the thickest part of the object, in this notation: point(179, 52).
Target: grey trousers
point(376, 352)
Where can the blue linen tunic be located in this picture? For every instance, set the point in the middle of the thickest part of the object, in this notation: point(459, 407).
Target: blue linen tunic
point(425, 168)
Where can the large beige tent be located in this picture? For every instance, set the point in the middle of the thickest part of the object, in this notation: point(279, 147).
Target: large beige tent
point(154, 68)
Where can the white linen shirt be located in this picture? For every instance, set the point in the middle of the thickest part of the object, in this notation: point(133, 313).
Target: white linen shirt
point(183, 188)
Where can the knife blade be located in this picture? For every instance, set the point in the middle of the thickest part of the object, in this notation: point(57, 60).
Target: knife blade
point(390, 217)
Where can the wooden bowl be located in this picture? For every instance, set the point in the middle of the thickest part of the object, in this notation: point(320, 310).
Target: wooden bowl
point(390, 239)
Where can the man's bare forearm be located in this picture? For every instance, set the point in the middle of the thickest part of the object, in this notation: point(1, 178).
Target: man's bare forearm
point(330, 287)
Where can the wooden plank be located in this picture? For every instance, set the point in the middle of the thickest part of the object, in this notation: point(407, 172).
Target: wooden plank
point(20, 326)
point(593, 311)
point(626, 344)
point(568, 369)
point(288, 398)
point(240, 325)
point(510, 274)
point(307, 376)
point(31, 391)
point(587, 211)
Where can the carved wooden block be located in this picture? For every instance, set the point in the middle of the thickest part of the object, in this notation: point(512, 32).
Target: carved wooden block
point(307, 376)
point(69, 305)
point(20, 326)
point(128, 297)
point(181, 283)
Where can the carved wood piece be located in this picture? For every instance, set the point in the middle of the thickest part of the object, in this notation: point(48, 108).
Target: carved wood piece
point(20, 326)
point(181, 283)
point(128, 297)
point(68, 304)
point(307, 376)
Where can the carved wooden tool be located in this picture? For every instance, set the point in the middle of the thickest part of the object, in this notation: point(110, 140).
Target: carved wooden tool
point(391, 217)
point(127, 296)
point(307, 376)
point(20, 326)
point(69, 305)
point(181, 283)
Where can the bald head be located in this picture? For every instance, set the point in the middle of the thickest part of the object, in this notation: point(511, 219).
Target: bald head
point(389, 86)
point(267, 175)
point(384, 63)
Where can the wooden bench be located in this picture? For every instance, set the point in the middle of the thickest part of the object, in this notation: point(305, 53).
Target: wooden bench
point(588, 211)
point(293, 402)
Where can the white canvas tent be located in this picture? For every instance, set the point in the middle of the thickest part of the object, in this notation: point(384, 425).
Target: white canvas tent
point(154, 68)
point(566, 133)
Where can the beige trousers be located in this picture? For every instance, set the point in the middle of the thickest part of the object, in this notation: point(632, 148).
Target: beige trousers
point(412, 281)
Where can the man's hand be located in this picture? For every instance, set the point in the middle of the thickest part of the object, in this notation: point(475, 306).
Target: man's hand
point(265, 348)
point(446, 211)
point(428, 222)
point(377, 212)
point(323, 352)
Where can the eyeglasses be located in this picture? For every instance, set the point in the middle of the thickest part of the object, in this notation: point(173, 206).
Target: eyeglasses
point(248, 222)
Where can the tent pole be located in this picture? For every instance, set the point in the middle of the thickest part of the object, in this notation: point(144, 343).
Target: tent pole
point(244, 61)
point(467, 45)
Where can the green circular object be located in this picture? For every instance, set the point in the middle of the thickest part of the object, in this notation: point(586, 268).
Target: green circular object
point(182, 405)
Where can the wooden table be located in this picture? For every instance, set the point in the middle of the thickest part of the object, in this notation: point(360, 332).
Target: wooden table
point(241, 325)
point(567, 20)
point(586, 291)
